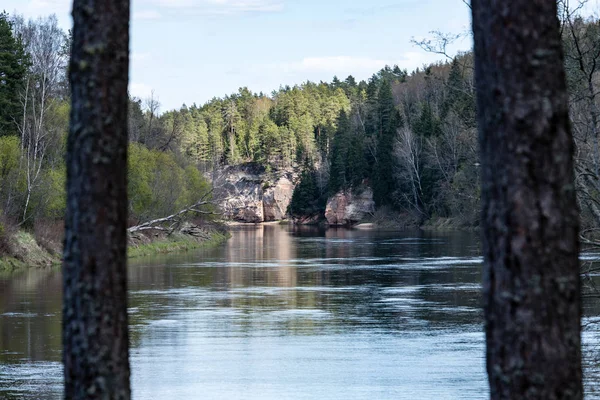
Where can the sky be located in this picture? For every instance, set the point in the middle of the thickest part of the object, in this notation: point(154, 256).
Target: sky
point(189, 51)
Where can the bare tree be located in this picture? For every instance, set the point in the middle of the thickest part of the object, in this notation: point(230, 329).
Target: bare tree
point(44, 41)
point(408, 151)
point(582, 53)
point(95, 338)
point(530, 215)
point(152, 106)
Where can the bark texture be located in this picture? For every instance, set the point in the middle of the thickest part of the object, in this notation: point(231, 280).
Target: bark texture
point(530, 216)
point(95, 339)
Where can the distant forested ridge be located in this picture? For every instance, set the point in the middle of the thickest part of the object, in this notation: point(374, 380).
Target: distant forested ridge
point(408, 136)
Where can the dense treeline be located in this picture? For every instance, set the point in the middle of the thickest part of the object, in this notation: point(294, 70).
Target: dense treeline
point(411, 137)
point(34, 117)
point(343, 134)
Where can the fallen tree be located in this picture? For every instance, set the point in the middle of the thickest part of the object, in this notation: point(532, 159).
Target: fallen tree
point(172, 222)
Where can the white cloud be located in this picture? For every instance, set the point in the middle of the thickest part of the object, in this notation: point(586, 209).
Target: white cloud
point(349, 65)
point(332, 64)
point(249, 5)
point(175, 3)
point(140, 90)
point(140, 57)
point(42, 7)
point(146, 15)
point(223, 7)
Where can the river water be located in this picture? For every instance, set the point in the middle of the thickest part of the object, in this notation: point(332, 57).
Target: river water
point(279, 313)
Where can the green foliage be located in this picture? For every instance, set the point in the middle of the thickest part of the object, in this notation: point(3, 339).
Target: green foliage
point(177, 243)
point(345, 134)
point(9, 155)
point(427, 124)
point(459, 98)
point(384, 183)
point(159, 185)
point(339, 155)
point(56, 195)
point(13, 67)
point(140, 170)
point(306, 199)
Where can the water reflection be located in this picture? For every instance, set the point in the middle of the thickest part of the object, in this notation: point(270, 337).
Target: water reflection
point(278, 313)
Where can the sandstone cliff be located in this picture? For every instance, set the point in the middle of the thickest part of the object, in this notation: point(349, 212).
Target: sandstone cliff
point(250, 194)
point(349, 207)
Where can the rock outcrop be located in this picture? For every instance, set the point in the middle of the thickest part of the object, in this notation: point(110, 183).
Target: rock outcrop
point(248, 193)
point(349, 207)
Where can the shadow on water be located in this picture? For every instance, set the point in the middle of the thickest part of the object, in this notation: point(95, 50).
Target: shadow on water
point(279, 312)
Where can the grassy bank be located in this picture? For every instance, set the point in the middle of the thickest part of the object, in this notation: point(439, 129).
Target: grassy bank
point(21, 250)
point(176, 243)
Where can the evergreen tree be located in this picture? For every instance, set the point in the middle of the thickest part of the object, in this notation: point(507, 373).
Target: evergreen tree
point(356, 164)
point(372, 123)
point(427, 124)
point(95, 329)
point(306, 199)
point(13, 67)
point(350, 81)
point(339, 155)
point(390, 121)
point(336, 83)
point(459, 98)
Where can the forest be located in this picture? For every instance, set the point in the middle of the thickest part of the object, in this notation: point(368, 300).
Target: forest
point(504, 138)
point(410, 136)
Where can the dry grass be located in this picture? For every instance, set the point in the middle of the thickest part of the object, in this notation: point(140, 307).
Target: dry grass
point(49, 234)
point(7, 231)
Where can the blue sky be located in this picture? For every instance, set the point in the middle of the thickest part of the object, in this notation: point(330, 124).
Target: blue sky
point(192, 50)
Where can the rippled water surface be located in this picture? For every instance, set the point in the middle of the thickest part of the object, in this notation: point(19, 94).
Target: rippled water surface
point(279, 313)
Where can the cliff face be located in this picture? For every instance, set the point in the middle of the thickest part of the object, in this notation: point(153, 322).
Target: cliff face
point(248, 193)
point(347, 207)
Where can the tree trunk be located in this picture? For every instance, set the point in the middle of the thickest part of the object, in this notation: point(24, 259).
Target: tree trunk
point(95, 339)
point(530, 216)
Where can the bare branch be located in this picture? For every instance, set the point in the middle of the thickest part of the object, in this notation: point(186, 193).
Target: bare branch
point(174, 219)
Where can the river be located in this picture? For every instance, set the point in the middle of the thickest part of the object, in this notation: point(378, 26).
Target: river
point(280, 313)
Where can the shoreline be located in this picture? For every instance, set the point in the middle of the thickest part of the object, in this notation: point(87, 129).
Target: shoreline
point(439, 224)
point(28, 254)
point(178, 242)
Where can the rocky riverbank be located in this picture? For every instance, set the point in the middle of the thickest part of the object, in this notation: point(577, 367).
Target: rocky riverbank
point(249, 193)
point(350, 207)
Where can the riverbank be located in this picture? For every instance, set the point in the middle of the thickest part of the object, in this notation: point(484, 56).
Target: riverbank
point(21, 250)
point(178, 242)
point(386, 220)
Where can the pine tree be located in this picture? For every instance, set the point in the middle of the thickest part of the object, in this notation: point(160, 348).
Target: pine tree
point(13, 67)
point(306, 199)
point(356, 164)
point(95, 333)
point(459, 98)
point(427, 124)
point(390, 121)
point(339, 155)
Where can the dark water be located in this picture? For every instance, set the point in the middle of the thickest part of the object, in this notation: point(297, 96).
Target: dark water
point(280, 314)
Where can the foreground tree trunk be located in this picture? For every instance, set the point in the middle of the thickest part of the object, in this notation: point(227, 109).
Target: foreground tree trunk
point(530, 216)
point(95, 336)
